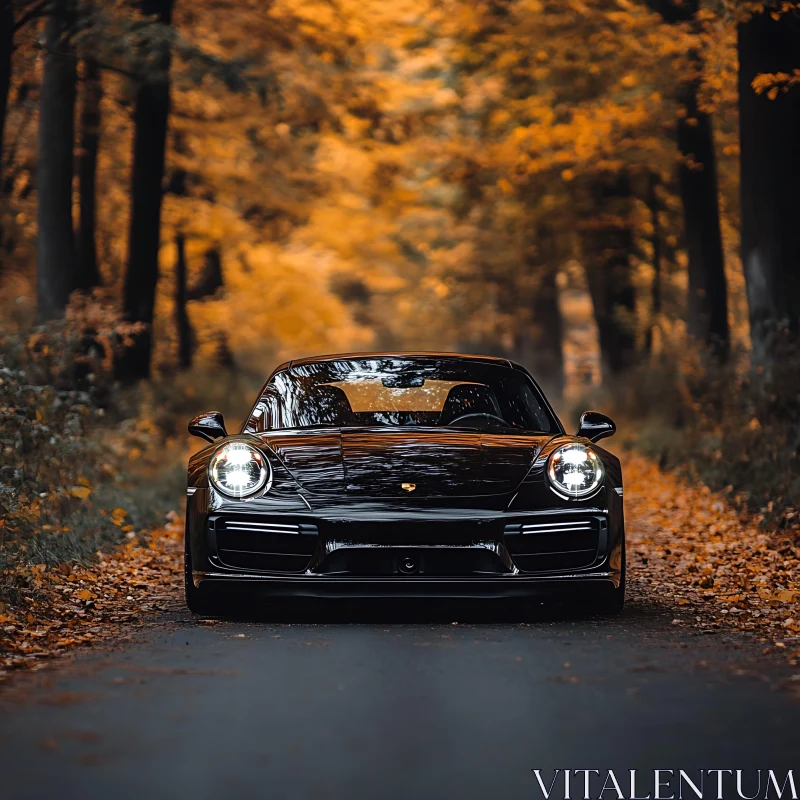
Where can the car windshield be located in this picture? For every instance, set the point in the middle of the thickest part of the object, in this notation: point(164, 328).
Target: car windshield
point(407, 391)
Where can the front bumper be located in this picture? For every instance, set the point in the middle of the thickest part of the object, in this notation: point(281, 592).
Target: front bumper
point(444, 554)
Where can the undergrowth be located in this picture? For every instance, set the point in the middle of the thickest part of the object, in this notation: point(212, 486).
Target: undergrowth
point(87, 462)
point(732, 426)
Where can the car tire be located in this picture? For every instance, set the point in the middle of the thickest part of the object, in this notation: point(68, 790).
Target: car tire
point(199, 599)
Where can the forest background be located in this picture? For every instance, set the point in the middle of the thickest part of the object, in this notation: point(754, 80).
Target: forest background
point(192, 192)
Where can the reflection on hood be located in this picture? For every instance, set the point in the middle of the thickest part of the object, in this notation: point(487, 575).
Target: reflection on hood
point(437, 463)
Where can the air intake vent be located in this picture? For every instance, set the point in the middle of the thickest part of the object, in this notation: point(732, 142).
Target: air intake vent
point(263, 545)
point(556, 544)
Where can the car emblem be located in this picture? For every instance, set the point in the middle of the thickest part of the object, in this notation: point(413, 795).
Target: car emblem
point(409, 487)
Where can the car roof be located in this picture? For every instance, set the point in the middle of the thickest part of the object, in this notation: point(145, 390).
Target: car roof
point(504, 362)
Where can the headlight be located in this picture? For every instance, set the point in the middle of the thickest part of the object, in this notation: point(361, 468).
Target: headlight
point(239, 470)
point(575, 470)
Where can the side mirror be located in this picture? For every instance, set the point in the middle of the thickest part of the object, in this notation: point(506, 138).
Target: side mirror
point(595, 426)
point(209, 426)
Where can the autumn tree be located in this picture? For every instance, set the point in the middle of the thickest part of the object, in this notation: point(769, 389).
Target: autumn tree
point(384, 178)
point(56, 251)
point(576, 97)
point(769, 112)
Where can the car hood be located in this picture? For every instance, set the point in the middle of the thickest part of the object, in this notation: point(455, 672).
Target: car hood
point(402, 463)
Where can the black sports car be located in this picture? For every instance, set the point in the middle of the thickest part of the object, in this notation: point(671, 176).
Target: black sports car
point(415, 474)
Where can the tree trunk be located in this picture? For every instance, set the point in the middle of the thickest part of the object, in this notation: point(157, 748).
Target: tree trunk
point(655, 307)
point(223, 355)
point(88, 273)
point(769, 131)
point(540, 345)
point(607, 242)
point(547, 335)
point(182, 323)
point(150, 117)
point(210, 279)
point(707, 307)
point(6, 45)
point(707, 300)
point(55, 239)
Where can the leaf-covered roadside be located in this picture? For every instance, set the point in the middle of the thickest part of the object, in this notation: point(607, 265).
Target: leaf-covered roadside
point(689, 552)
point(69, 606)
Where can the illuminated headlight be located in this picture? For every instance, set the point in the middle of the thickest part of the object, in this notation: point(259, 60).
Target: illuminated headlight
point(239, 470)
point(575, 470)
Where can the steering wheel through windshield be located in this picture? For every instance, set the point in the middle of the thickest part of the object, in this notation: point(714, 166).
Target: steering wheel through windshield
point(484, 415)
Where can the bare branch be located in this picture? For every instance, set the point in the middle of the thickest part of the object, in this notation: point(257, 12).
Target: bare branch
point(35, 11)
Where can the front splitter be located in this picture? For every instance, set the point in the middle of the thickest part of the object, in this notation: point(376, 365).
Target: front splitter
point(316, 586)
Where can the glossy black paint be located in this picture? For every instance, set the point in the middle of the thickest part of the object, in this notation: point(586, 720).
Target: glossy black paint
point(209, 426)
point(595, 426)
point(407, 510)
point(375, 462)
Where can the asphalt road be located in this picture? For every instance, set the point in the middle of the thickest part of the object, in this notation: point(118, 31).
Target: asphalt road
point(398, 704)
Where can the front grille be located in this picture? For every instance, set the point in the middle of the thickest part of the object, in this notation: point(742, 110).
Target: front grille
point(421, 562)
point(412, 533)
point(557, 544)
point(264, 546)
